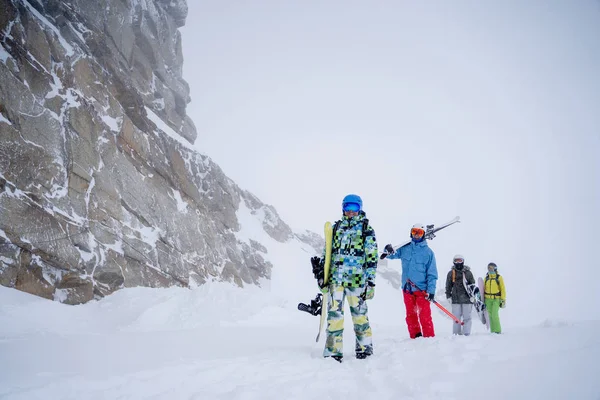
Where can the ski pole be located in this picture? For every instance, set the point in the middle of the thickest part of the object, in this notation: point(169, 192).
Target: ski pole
point(448, 313)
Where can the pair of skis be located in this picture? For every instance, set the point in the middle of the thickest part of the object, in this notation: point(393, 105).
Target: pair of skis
point(430, 232)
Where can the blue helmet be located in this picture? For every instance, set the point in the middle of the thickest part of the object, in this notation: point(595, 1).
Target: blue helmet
point(350, 202)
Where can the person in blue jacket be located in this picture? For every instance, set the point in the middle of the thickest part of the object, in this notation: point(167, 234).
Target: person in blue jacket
point(419, 277)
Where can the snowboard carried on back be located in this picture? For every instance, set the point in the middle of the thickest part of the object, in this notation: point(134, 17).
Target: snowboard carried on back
point(475, 292)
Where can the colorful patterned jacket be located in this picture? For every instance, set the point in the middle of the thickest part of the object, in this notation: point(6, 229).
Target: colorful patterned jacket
point(353, 260)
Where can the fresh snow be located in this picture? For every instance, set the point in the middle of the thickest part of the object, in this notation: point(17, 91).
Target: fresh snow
point(218, 341)
point(61, 295)
point(223, 342)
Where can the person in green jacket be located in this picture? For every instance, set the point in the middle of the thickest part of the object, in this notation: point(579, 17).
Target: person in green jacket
point(495, 296)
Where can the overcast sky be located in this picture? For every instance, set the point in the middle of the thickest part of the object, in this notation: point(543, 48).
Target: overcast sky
point(485, 109)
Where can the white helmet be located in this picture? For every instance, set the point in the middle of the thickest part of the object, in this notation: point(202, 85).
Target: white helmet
point(416, 237)
point(458, 257)
point(419, 226)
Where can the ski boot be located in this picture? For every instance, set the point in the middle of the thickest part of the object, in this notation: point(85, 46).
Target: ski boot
point(363, 352)
point(339, 359)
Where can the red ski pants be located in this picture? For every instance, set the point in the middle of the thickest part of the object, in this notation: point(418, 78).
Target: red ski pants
point(418, 314)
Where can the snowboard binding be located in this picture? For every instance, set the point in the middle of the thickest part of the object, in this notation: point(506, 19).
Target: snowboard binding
point(315, 305)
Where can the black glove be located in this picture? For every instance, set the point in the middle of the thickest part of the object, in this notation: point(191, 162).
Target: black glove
point(430, 296)
point(317, 268)
point(318, 271)
point(386, 251)
point(315, 261)
point(369, 291)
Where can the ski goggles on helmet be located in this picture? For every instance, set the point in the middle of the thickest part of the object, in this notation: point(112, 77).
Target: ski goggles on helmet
point(417, 233)
point(351, 207)
point(459, 260)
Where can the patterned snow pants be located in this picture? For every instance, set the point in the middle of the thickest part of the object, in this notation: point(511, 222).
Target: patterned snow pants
point(335, 321)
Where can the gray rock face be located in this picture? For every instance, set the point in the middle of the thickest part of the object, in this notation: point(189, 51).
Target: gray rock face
point(315, 241)
point(100, 187)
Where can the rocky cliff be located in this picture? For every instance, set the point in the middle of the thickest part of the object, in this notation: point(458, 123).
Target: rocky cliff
point(100, 187)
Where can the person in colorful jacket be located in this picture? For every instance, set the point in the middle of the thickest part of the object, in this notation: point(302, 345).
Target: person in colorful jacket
point(419, 278)
point(351, 277)
point(495, 296)
point(456, 292)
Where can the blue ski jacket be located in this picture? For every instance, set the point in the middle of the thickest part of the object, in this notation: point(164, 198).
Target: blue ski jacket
point(418, 265)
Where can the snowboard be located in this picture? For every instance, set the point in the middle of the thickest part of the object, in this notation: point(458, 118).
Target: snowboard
point(485, 318)
point(476, 298)
point(328, 244)
point(429, 234)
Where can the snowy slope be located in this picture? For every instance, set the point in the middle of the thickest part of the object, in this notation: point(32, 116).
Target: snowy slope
point(219, 341)
point(222, 342)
